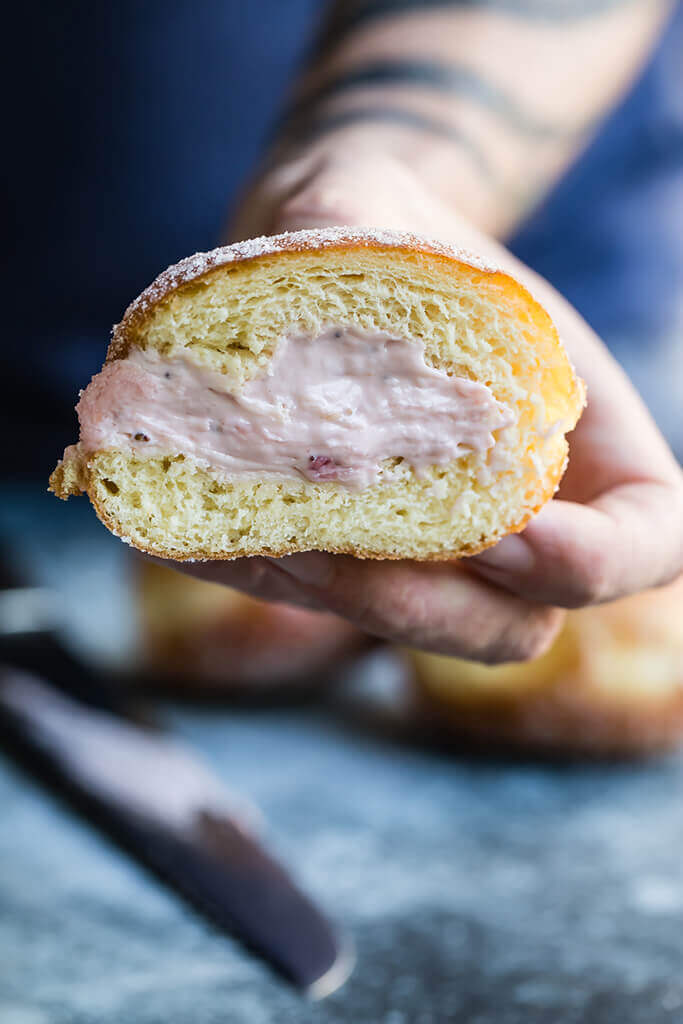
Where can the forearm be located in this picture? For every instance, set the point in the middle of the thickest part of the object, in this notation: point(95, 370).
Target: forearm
point(487, 101)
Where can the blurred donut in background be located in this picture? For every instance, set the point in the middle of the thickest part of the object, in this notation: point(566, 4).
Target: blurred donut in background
point(610, 686)
point(203, 637)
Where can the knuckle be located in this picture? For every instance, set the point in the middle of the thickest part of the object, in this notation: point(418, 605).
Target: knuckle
point(391, 604)
point(590, 583)
point(398, 614)
point(526, 639)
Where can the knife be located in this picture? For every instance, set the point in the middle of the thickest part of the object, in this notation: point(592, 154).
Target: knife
point(156, 799)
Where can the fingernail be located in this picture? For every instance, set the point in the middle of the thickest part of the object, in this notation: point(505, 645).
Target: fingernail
point(510, 555)
point(313, 568)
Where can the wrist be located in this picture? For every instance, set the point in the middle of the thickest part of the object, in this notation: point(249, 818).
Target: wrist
point(366, 175)
point(445, 167)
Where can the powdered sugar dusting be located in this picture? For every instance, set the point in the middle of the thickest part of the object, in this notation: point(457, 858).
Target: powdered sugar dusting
point(311, 239)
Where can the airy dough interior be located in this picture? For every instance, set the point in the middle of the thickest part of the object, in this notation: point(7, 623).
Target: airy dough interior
point(472, 323)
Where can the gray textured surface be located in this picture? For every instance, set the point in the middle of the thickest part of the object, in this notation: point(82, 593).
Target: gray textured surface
point(478, 893)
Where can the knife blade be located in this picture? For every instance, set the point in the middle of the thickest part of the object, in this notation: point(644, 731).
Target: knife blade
point(86, 738)
point(160, 802)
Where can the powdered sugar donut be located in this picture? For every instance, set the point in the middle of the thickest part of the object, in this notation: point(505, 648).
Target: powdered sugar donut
point(365, 392)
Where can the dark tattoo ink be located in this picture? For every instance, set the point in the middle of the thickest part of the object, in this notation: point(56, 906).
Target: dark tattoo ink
point(443, 78)
point(304, 128)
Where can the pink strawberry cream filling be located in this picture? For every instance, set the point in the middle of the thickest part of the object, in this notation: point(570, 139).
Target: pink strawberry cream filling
point(332, 407)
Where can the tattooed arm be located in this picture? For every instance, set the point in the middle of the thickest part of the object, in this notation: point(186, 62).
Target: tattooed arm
point(487, 101)
point(448, 118)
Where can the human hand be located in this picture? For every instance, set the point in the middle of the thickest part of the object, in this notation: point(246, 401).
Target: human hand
point(615, 527)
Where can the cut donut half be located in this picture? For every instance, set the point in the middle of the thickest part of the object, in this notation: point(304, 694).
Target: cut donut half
point(368, 392)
